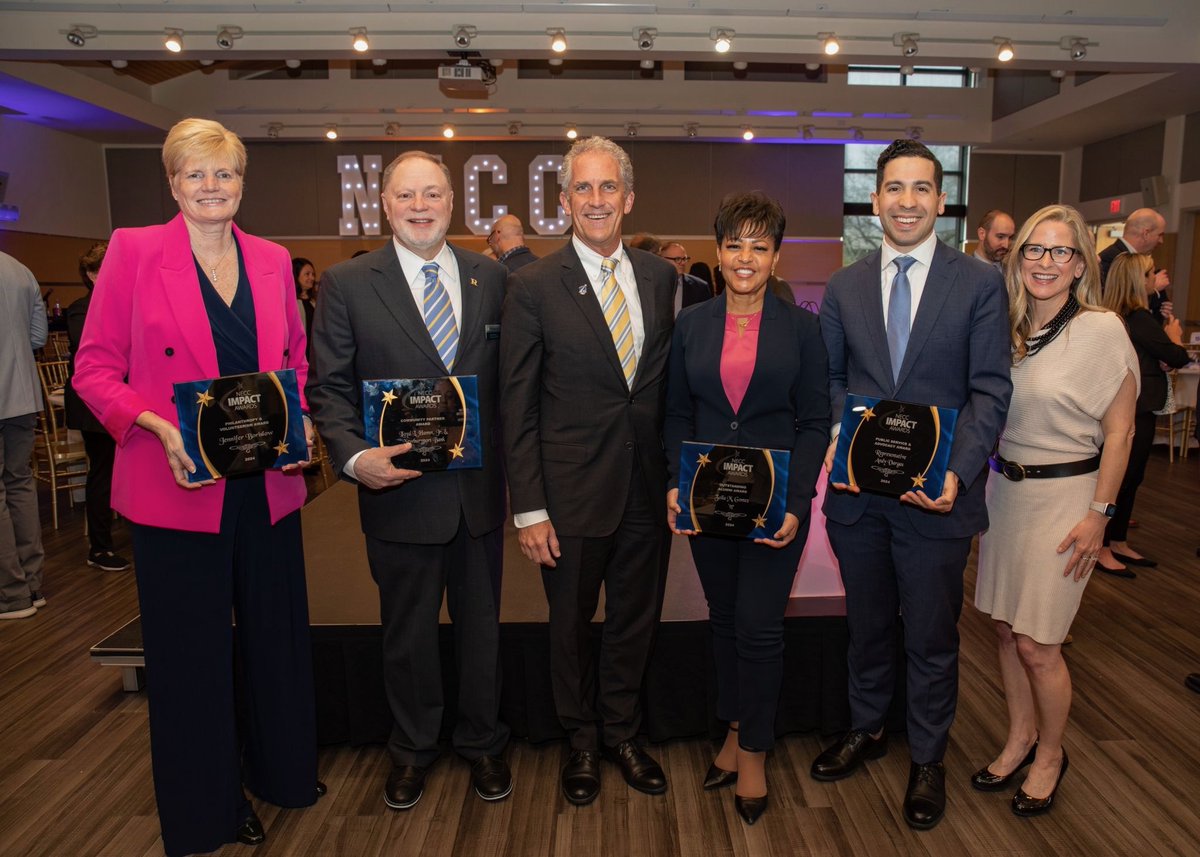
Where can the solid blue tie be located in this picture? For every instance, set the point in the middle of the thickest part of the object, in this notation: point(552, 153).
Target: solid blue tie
point(439, 316)
point(899, 313)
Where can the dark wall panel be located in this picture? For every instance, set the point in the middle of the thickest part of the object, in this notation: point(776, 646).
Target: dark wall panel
point(1190, 170)
point(1018, 184)
point(1116, 166)
point(1015, 89)
point(138, 194)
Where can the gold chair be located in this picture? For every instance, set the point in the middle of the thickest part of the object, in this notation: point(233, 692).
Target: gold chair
point(58, 461)
point(320, 459)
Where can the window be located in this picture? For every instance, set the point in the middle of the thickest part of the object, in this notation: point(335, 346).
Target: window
point(894, 75)
point(861, 232)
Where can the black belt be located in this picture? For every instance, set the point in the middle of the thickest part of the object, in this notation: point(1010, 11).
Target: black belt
point(1016, 472)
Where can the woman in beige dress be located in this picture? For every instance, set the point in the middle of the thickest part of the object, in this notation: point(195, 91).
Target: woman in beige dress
point(1075, 380)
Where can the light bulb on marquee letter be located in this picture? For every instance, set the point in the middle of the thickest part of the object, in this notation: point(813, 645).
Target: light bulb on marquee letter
point(473, 209)
point(359, 189)
point(542, 191)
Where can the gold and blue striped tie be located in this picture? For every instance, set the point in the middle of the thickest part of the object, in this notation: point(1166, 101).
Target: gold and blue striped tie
point(439, 316)
point(616, 315)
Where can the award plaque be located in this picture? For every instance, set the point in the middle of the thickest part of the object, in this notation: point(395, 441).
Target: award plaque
point(737, 491)
point(438, 416)
point(241, 423)
point(891, 447)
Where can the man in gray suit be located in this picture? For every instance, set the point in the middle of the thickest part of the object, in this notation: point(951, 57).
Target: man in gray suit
point(22, 329)
point(587, 330)
point(915, 321)
point(417, 308)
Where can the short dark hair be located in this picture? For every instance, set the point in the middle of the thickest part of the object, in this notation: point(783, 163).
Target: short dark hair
point(990, 218)
point(907, 149)
point(89, 262)
point(749, 215)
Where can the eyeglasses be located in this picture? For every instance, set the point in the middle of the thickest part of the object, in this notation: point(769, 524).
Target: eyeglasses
point(678, 259)
point(1061, 255)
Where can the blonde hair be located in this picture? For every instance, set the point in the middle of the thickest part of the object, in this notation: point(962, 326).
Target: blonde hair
point(203, 139)
point(1125, 288)
point(1086, 287)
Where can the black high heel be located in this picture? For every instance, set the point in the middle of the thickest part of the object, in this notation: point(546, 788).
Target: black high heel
point(1026, 806)
point(719, 778)
point(985, 781)
point(750, 808)
point(251, 832)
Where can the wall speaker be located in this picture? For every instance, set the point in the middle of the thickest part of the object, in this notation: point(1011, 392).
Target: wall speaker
point(1154, 191)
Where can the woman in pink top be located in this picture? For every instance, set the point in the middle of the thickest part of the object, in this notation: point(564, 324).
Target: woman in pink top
point(748, 369)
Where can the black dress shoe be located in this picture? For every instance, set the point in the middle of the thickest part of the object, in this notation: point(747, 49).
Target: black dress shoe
point(718, 778)
point(925, 800)
point(639, 769)
point(404, 787)
point(1145, 563)
point(321, 789)
point(750, 808)
point(491, 777)
point(1116, 572)
point(842, 758)
point(1024, 805)
point(250, 831)
point(1193, 682)
point(985, 781)
point(581, 777)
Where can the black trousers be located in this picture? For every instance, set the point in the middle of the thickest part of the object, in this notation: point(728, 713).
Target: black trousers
point(188, 583)
point(602, 702)
point(411, 580)
point(747, 586)
point(1135, 471)
point(101, 449)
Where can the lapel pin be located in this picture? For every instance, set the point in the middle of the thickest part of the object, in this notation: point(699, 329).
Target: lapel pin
point(474, 282)
point(583, 289)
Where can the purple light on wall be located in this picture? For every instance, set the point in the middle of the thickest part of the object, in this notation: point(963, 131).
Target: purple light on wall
point(9, 214)
point(830, 114)
point(887, 116)
point(773, 113)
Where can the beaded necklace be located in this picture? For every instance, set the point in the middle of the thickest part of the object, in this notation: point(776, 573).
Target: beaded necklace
point(1050, 332)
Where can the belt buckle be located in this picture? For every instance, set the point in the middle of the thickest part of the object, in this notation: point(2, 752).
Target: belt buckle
point(1013, 471)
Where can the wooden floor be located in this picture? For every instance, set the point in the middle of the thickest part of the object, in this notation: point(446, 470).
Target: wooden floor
point(75, 765)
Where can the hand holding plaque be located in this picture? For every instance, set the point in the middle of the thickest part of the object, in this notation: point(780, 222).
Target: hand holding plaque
point(890, 447)
point(734, 491)
point(438, 416)
point(241, 423)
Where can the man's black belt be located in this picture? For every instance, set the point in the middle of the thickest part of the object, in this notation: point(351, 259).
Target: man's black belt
point(1016, 472)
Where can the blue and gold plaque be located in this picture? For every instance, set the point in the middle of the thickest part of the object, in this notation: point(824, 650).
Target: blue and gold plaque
point(438, 416)
point(737, 491)
point(891, 447)
point(241, 423)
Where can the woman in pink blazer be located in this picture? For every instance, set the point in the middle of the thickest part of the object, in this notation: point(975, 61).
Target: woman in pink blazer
point(198, 298)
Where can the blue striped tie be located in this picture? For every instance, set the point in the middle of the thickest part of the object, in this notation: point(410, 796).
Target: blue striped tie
point(899, 314)
point(439, 316)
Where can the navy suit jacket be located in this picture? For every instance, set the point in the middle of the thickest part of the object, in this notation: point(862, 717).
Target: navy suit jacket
point(958, 356)
point(694, 289)
point(786, 405)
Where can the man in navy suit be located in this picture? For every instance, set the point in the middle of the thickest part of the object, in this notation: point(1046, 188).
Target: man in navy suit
point(688, 289)
point(915, 321)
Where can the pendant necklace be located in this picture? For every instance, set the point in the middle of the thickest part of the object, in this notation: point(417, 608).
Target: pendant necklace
point(212, 269)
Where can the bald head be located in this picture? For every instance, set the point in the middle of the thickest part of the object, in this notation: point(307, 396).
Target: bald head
point(507, 232)
point(1144, 230)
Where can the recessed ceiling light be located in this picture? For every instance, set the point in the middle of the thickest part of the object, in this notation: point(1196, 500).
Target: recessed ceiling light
point(173, 41)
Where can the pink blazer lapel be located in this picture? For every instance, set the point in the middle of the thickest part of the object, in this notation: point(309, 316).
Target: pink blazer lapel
point(181, 292)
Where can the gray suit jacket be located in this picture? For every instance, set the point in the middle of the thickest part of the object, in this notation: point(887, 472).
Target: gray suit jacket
point(22, 329)
point(958, 356)
point(368, 326)
point(573, 429)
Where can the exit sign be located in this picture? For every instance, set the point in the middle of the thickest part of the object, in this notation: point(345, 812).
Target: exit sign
point(1114, 206)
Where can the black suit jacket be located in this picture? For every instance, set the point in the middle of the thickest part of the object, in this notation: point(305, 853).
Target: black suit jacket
point(368, 326)
point(519, 257)
point(1151, 343)
point(79, 415)
point(786, 405)
point(573, 430)
point(694, 289)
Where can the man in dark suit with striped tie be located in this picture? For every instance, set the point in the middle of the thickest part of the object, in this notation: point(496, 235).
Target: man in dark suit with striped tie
point(587, 330)
point(417, 308)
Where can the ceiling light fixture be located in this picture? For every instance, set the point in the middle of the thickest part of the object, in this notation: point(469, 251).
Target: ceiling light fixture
point(747, 134)
point(392, 129)
point(359, 41)
point(1004, 48)
point(829, 43)
point(378, 62)
point(907, 43)
point(273, 129)
point(558, 39)
point(812, 66)
point(464, 34)
point(226, 37)
point(292, 63)
point(1058, 73)
point(173, 41)
point(514, 128)
point(120, 63)
point(571, 132)
point(741, 65)
point(555, 61)
point(448, 132)
point(808, 132)
point(648, 65)
point(631, 129)
point(722, 39)
point(691, 129)
point(207, 63)
point(1076, 46)
point(80, 33)
point(331, 132)
point(916, 132)
point(645, 36)
point(858, 134)
point(907, 70)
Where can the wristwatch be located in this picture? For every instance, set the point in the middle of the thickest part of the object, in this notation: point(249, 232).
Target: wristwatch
point(1105, 509)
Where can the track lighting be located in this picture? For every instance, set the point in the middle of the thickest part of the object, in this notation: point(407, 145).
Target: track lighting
point(273, 129)
point(907, 43)
point(1058, 73)
point(558, 39)
point(916, 132)
point(331, 132)
point(360, 42)
point(80, 33)
point(378, 62)
point(226, 37)
point(808, 132)
point(829, 43)
point(645, 36)
point(173, 41)
point(692, 129)
point(463, 34)
point(392, 129)
point(747, 134)
point(648, 65)
point(1076, 46)
point(631, 129)
point(120, 63)
point(722, 39)
point(514, 128)
point(555, 61)
point(1004, 49)
point(292, 63)
point(448, 132)
point(571, 132)
point(859, 135)
point(741, 65)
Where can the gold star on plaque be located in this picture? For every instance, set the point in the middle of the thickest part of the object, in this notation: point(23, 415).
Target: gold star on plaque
point(203, 399)
point(918, 481)
point(868, 414)
point(281, 448)
point(703, 460)
point(760, 521)
point(389, 397)
point(456, 452)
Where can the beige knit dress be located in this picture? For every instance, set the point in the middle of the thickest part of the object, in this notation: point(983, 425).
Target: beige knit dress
point(1059, 396)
